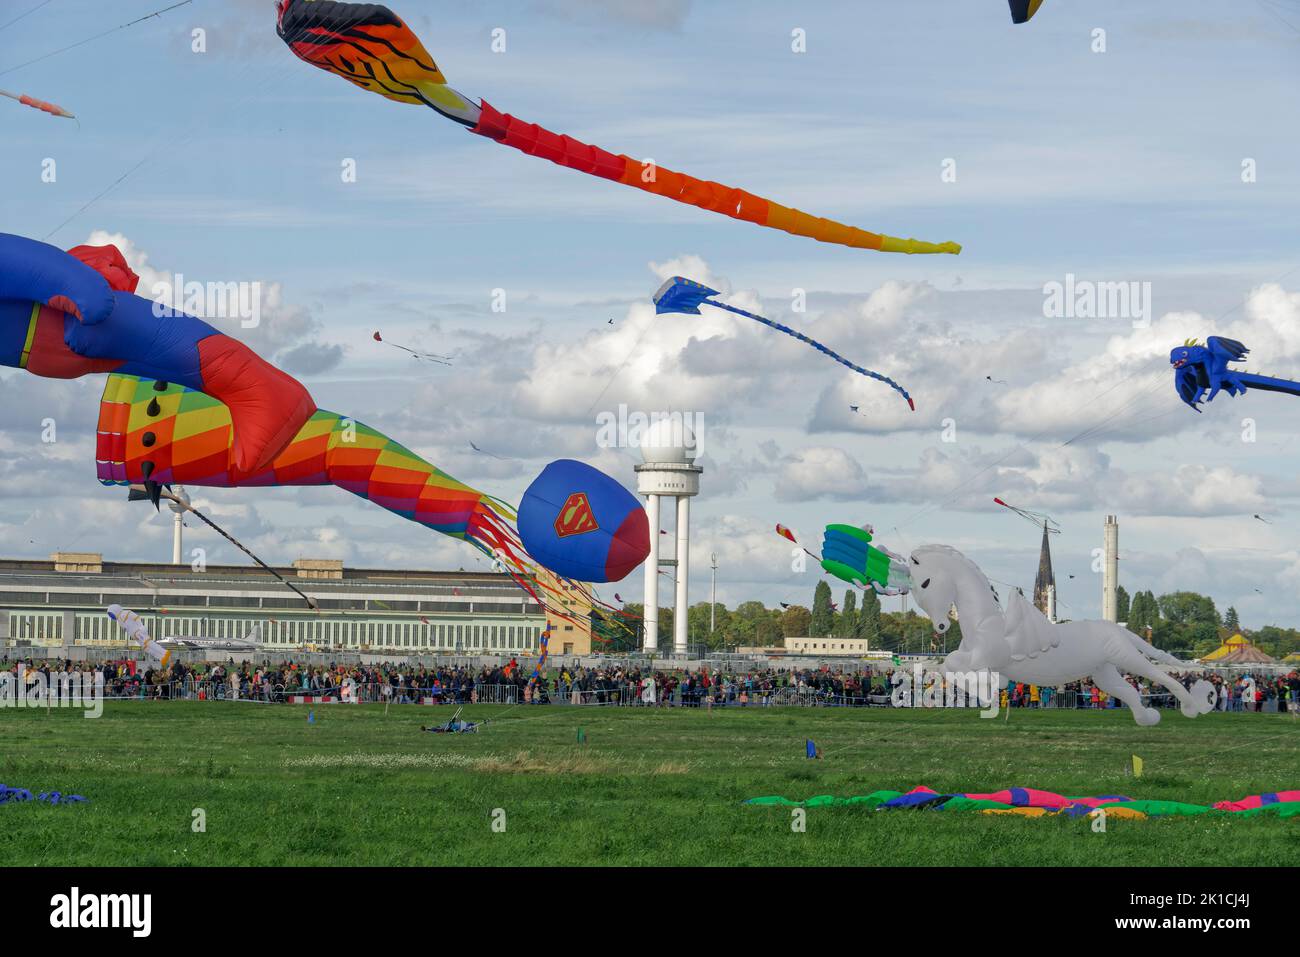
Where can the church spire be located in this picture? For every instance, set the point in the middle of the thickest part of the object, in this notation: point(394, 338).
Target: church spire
point(1045, 581)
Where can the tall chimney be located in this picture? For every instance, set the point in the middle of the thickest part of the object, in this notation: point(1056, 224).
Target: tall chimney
point(1110, 570)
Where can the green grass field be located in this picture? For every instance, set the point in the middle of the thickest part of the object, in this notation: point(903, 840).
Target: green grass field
point(649, 787)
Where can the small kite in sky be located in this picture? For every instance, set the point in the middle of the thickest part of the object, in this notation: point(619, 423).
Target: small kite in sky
point(686, 296)
point(36, 104)
point(1038, 519)
point(415, 353)
point(1022, 11)
point(789, 536)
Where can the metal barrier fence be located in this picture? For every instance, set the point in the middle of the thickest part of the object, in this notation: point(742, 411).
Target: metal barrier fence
point(497, 694)
point(620, 695)
point(633, 697)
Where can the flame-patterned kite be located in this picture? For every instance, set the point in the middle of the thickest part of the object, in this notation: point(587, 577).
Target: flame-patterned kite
point(369, 45)
point(157, 433)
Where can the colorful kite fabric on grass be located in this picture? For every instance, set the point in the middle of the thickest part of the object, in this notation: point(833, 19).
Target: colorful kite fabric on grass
point(826, 800)
point(14, 795)
point(1031, 802)
point(1259, 800)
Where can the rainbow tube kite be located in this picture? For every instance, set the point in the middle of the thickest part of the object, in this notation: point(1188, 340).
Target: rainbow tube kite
point(162, 434)
point(369, 45)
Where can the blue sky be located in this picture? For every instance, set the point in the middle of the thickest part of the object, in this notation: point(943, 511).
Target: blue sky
point(1123, 165)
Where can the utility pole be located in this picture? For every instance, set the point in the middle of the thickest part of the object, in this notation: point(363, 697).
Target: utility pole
point(713, 590)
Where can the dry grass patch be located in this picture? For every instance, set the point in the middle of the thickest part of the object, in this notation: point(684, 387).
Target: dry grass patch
point(587, 762)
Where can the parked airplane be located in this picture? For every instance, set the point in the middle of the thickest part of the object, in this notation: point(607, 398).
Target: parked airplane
point(249, 643)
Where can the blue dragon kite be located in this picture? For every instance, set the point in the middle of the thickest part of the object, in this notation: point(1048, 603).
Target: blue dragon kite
point(1198, 368)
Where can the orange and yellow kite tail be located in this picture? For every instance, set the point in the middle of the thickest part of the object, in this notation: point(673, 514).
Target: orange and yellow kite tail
point(715, 197)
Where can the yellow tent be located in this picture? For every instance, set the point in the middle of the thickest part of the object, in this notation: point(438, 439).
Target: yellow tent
point(1237, 650)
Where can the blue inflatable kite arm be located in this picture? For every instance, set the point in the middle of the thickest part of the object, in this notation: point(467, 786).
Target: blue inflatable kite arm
point(164, 347)
point(33, 271)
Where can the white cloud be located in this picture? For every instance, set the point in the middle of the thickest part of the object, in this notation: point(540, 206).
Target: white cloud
point(284, 330)
point(822, 472)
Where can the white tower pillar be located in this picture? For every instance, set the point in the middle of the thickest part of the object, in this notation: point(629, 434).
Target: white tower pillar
point(651, 616)
point(680, 633)
point(178, 520)
point(668, 471)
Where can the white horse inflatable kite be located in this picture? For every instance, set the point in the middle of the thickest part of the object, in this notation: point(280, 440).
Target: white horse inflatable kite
point(1021, 644)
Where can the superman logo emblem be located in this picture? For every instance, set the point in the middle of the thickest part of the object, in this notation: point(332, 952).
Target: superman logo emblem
point(575, 516)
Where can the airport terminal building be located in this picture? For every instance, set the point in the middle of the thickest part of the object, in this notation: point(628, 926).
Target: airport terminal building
point(61, 601)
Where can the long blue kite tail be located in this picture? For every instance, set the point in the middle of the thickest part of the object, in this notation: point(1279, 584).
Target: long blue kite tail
point(1267, 383)
point(819, 347)
point(683, 295)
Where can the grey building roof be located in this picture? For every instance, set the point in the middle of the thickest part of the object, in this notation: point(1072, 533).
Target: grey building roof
point(249, 587)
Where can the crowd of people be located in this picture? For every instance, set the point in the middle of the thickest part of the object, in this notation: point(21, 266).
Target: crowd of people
point(1241, 692)
point(631, 685)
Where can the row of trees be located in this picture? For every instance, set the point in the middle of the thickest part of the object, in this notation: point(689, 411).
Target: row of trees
point(1188, 624)
point(753, 625)
point(1183, 623)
